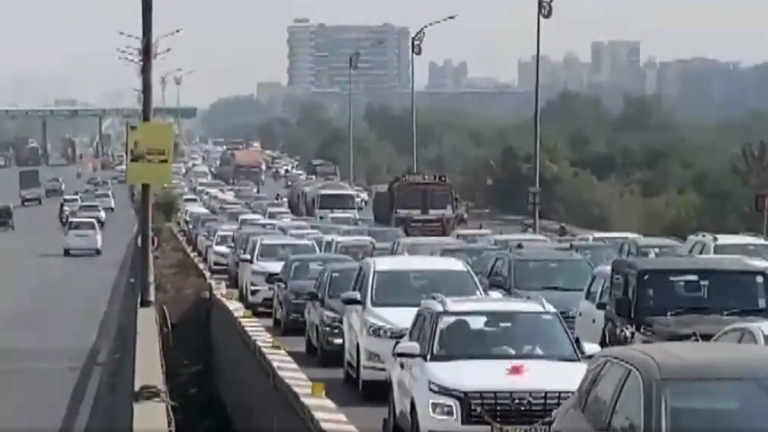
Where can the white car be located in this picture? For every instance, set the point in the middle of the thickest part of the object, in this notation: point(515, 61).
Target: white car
point(189, 200)
point(91, 211)
point(264, 260)
point(473, 235)
point(341, 218)
point(382, 303)
point(755, 332)
point(277, 213)
point(71, 202)
point(249, 220)
point(82, 235)
point(218, 254)
point(465, 360)
point(105, 200)
point(590, 316)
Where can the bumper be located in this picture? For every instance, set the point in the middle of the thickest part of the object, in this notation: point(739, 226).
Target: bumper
point(331, 339)
point(259, 297)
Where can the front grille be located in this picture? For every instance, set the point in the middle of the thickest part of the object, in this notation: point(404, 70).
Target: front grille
point(569, 320)
point(509, 408)
point(296, 306)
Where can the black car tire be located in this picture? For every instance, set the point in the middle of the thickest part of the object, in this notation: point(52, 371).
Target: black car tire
point(309, 347)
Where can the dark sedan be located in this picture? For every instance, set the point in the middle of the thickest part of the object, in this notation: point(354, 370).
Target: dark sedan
point(324, 336)
point(295, 280)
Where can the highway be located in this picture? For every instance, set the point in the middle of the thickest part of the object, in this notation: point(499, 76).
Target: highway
point(51, 311)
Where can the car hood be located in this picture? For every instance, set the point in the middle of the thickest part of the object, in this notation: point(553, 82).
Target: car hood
point(334, 305)
point(397, 317)
point(685, 327)
point(563, 301)
point(267, 266)
point(495, 375)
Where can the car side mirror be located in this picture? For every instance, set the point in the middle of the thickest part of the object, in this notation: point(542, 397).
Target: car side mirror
point(623, 307)
point(351, 298)
point(244, 258)
point(601, 305)
point(407, 349)
point(496, 282)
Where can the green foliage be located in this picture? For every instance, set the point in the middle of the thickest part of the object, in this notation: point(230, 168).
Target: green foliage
point(165, 206)
point(642, 169)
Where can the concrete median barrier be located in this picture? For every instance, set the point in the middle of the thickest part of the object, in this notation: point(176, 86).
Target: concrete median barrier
point(260, 384)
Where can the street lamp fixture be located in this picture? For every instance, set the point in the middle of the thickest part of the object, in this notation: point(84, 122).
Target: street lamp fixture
point(417, 42)
point(178, 80)
point(164, 84)
point(543, 12)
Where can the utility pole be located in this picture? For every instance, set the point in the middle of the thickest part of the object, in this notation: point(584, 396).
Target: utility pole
point(148, 51)
point(164, 85)
point(178, 80)
point(543, 12)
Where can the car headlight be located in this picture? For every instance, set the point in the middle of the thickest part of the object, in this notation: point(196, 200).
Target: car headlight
point(444, 391)
point(384, 332)
point(331, 319)
point(442, 409)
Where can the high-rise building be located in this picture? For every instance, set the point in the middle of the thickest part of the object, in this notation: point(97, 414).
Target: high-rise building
point(318, 56)
point(448, 76)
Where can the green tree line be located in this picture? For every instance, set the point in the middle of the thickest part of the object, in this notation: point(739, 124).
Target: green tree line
point(642, 169)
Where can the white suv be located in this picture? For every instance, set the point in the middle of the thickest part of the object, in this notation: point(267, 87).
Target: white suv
point(91, 211)
point(82, 235)
point(385, 295)
point(105, 200)
point(468, 363)
point(218, 253)
point(746, 244)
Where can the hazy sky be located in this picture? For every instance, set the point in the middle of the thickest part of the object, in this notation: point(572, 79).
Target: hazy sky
point(66, 48)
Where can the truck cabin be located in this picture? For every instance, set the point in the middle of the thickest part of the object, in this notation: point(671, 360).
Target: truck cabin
point(336, 200)
point(322, 169)
point(422, 194)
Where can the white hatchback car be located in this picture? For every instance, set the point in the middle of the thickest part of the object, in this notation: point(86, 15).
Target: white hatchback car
point(82, 235)
point(105, 200)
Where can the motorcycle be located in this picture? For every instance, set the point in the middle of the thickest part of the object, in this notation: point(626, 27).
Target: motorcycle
point(79, 174)
point(64, 217)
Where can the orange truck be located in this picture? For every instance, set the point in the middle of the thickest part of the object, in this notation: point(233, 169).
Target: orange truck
point(245, 164)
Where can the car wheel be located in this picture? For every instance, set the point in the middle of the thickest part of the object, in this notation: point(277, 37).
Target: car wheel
point(324, 358)
point(348, 378)
point(309, 347)
point(365, 388)
point(67, 252)
point(414, 419)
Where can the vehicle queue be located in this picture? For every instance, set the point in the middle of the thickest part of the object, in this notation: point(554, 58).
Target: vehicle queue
point(519, 331)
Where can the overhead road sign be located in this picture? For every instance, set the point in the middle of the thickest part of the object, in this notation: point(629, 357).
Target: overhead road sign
point(150, 154)
point(185, 113)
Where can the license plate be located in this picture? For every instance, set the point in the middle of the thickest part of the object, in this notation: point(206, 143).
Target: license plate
point(537, 428)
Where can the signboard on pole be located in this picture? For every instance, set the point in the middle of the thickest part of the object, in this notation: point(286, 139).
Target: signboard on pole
point(150, 154)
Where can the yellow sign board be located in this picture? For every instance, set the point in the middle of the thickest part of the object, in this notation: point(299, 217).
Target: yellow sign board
point(150, 153)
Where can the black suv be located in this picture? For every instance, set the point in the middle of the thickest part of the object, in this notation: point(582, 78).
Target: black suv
point(681, 298)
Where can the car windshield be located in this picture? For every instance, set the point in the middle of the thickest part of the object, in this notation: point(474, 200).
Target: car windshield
point(664, 292)
point(224, 240)
point(275, 212)
point(76, 225)
point(658, 251)
point(283, 251)
point(597, 254)
point(308, 269)
point(503, 335)
point(507, 243)
point(565, 274)
point(340, 282)
point(70, 200)
point(469, 256)
point(715, 405)
point(102, 195)
point(440, 200)
point(430, 249)
point(356, 250)
point(89, 208)
point(408, 198)
point(384, 235)
point(343, 219)
point(407, 288)
point(756, 250)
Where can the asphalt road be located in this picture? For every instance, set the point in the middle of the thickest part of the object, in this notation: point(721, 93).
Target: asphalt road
point(51, 308)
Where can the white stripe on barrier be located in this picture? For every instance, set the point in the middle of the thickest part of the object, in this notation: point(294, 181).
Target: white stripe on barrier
point(323, 410)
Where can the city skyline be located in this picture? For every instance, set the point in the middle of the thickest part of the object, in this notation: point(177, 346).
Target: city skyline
point(68, 53)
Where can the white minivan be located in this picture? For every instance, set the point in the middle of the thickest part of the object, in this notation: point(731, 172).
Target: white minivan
point(590, 318)
point(82, 235)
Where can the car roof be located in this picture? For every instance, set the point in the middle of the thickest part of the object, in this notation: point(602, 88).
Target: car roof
point(657, 241)
point(428, 240)
point(539, 253)
point(416, 262)
point(735, 263)
point(694, 360)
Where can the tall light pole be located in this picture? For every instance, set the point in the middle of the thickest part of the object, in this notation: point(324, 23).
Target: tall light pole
point(164, 84)
point(354, 60)
point(178, 80)
point(543, 12)
point(416, 49)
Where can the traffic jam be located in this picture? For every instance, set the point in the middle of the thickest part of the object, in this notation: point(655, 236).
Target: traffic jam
point(464, 328)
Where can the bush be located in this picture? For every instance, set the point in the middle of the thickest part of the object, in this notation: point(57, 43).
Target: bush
point(164, 207)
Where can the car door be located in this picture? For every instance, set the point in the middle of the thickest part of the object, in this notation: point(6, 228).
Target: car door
point(400, 376)
point(313, 309)
point(244, 267)
point(627, 413)
point(586, 311)
point(598, 316)
point(599, 401)
point(349, 321)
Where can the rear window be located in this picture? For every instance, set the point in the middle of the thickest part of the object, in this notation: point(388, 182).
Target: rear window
point(81, 226)
point(89, 207)
point(103, 195)
point(70, 200)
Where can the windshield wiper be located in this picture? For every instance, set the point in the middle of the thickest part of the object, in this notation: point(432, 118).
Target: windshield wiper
point(743, 311)
point(688, 309)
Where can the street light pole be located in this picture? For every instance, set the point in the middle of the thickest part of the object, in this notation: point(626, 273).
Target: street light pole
point(416, 49)
point(148, 52)
point(354, 59)
point(178, 80)
point(543, 11)
point(164, 84)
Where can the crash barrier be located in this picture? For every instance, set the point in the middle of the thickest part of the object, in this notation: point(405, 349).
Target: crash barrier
point(151, 405)
point(491, 220)
point(260, 384)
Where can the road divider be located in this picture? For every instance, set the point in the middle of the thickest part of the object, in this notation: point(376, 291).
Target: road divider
point(250, 365)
